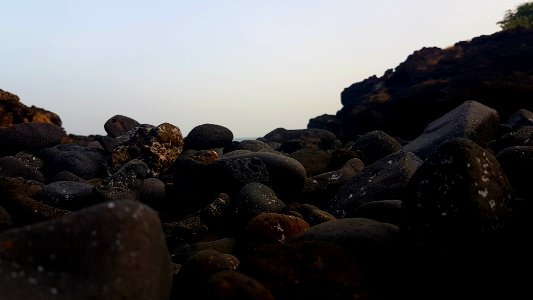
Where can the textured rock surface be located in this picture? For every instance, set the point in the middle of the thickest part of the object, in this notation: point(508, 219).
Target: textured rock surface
point(471, 120)
point(12, 112)
point(30, 137)
point(111, 251)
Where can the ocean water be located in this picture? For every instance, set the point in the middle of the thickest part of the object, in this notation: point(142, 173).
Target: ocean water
point(238, 139)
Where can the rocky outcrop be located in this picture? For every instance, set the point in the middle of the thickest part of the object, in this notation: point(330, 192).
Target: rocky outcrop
point(12, 112)
point(495, 70)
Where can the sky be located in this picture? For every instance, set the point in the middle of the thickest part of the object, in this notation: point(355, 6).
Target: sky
point(251, 66)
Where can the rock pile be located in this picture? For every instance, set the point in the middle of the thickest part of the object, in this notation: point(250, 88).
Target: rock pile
point(145, 213)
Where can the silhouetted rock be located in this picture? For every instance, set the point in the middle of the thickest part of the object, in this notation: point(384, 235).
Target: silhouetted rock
point(375, 145)
point(119, 125)
point(87, 163)
point(30, 137)
point(208, 136)
point(494, 70)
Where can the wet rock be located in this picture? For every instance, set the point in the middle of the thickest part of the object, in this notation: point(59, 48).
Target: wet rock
point(208, 136)
point(68, 195)
point(456, 197)
point(471, 120)
point(375, 145)
point(87, 163)
point(157, 146)
point(119, 125)
point(13, 167)
point(30, 137)
point(98, 256)
point(385, 179)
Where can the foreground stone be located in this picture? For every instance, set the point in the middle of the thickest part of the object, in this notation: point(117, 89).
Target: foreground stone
point(110, 251)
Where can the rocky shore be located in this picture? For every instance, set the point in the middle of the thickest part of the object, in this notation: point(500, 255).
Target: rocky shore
point(317, 213)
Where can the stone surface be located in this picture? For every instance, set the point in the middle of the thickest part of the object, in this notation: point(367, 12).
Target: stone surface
point(119, 125)
point(325, 139)
point(315, 161)
point(235, 285)
point(517, 164)
point(11, 166)
point(274, 228)
point(385, 179)
point(80, 161)
point(68, 195)
point(255, 199)
point(471, 120)
point(30, 137)
point(373, 146)
point(456, 197)
point(114, 250)
point(6, 222)
point(157, 146)
point(521, 117)
point(208, 136)
point(12, 112)
point(386, 211)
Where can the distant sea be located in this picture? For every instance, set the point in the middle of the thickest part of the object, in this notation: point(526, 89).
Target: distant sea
point(244, 138)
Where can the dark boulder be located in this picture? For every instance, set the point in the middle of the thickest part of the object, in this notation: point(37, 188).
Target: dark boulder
point(119, 125)
point(208, 136)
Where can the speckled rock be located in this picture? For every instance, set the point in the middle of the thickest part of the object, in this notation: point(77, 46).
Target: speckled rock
point(119, 125)
point(13, 167)
point(385, 179)
point(458, 195)
point(67, 195)
point(30, 160)
point(208, 136)
point(157, 146)
point(30, 137)
point(234, 173)
point(97, 257)
point(471, 120)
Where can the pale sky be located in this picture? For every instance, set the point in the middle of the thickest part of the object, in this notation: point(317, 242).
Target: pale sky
point(251, 66)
